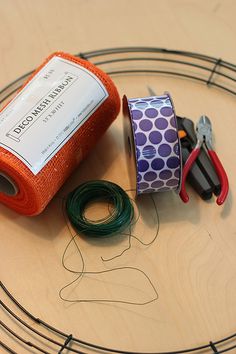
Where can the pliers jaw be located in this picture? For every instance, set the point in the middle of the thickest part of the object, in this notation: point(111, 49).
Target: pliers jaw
point(204, 132)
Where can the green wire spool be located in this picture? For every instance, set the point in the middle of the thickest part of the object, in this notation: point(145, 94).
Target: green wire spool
point(120, 215)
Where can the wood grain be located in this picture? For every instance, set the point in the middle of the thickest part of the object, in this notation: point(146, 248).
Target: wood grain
point(192, 263)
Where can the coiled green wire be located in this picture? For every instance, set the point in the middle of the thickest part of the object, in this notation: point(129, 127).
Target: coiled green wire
point(120, 216)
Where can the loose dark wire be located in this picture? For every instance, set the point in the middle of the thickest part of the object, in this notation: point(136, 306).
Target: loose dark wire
point(131, 236)
point(82, 272)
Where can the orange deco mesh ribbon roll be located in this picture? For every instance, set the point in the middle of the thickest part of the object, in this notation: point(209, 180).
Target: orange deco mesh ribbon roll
point(35, 191)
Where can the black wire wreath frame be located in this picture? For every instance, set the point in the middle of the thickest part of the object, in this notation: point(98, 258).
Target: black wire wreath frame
point(211, 71)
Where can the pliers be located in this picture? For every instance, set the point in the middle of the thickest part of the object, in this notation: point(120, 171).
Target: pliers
point(204, 136)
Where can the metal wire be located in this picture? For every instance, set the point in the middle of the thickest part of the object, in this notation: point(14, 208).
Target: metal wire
point(208, 70)
point(208, 348)
point(22, 322)
point(7, 348)
point(118, 219)
point(21, 339)
point(203, 64)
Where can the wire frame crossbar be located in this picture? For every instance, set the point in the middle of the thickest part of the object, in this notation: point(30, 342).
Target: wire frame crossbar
point(156, 61)
point(76, 345)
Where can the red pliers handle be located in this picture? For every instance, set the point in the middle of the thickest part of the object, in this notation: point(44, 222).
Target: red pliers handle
point(204, 133)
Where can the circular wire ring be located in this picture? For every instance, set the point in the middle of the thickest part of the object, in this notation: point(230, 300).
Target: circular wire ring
point(210, 69)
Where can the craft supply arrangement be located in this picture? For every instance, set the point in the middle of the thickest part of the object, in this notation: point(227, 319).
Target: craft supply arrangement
point(56, 118)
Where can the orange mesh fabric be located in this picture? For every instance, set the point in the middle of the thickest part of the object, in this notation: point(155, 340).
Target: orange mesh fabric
point(35, 191)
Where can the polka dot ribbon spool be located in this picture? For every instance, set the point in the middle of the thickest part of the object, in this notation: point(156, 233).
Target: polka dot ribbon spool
point(152, 142)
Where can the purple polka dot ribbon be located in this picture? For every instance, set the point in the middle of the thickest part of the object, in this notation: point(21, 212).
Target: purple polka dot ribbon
point(156, 141)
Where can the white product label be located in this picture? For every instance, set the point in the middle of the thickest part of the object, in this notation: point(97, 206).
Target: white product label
point(49, 110)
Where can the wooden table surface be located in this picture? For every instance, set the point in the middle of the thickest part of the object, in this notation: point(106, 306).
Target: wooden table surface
point(192, 263)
